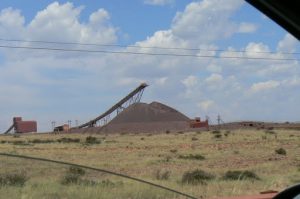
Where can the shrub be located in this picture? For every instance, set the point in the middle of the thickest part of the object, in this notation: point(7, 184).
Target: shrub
point(70, 179)
point(263, 137)
point(3, 141)
point(19, 142)
point(73, 175)
point(240, 175)
point(194, 138)
point(196, 177)
point(227, 133)
point(192, 157)
point(218, 136)
point(280, 151)
point(271, 132)
point(13, 179)
point(167, 131)
point(76, 170)
point(162, 175)
point(92, 140)
point(68, 140)
point(173, 150)
point(216, 132)
point(16, 135)
point(38, 141)
point(103, 183)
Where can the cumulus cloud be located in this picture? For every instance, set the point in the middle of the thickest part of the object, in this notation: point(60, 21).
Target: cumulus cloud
point(206, 104)
point(247, 27)
point(263, 86)
point(58, 22)
point(190, 81)
point(214, 78)
point(85, 81)
point(287, 44)
point(159, 2)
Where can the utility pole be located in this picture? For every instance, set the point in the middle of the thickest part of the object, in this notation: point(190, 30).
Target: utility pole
point(69, 123)
point(219, 120)
point(53, 125)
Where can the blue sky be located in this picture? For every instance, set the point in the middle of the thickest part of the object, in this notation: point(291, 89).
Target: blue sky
point(60, 86)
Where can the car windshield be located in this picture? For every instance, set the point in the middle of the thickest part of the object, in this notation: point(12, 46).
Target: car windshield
point(146, 99)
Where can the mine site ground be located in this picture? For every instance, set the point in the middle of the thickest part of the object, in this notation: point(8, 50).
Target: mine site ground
point(164, 158)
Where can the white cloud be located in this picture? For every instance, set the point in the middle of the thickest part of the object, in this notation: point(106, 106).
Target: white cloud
point(60, 22)
point(161, 81)
point(206, 105)
point(263, 86)
point(159, 2)
point(288, 44)
point(190, 81)
point(247, 27)
point(11, 23)
point(214, 78)
point(205, 15)
point(86, 81)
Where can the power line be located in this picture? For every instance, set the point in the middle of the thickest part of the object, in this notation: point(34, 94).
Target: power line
point(152, 54)
point(148, 47)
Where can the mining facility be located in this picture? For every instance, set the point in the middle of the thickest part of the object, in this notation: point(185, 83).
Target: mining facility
point(20, 126)
point(129, 115)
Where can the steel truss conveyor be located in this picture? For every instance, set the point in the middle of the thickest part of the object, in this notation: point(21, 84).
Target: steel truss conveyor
point(132, 98)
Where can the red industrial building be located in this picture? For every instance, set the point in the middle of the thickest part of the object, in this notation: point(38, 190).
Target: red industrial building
point(197, 123)
point(20, 126)
point(64, 127)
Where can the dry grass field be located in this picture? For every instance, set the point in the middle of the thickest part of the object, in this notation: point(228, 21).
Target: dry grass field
point(168, 159)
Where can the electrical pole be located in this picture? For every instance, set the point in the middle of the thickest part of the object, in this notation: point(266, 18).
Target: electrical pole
point(53, 125)
point(69, 123)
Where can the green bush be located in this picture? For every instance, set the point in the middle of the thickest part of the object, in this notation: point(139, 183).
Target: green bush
point(70, 179)
point(240, 175)
point(38, 141)
point(92, 140)
point(196, 177)
point(173, 150)
point(68, 140)
point(73, 175)
point(227, 133)
point(19, 142)
point(216, 132)
point(76, 170)
point(16, 135)
point(162, 175)
point(192, 157)
point(218, 136)
point(280, 151)
point(13, 179)
point(271, 132)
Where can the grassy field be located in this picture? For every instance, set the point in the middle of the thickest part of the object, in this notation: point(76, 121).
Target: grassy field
point(160, 158)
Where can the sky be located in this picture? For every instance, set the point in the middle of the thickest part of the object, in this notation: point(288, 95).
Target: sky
point(59, 86)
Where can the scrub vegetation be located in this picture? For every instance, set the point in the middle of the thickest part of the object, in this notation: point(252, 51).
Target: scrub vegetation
point(196, 163)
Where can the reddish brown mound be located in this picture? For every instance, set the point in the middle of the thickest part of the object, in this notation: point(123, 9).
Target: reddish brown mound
point(154, 112)
point(153, 117)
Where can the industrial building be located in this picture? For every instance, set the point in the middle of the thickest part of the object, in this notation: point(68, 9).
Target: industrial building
point(20, 126)
point(64, 127)
point(197, 123)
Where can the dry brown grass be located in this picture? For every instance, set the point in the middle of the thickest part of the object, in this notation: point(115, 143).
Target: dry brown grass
point(128, 154)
